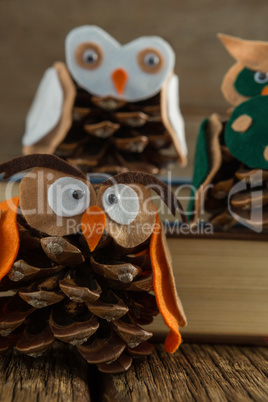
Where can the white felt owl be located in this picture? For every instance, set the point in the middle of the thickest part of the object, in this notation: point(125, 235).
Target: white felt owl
point(111, 107)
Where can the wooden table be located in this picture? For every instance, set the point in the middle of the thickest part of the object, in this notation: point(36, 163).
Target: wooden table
point(215, 373)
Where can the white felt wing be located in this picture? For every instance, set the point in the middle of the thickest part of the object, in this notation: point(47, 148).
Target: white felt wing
point(174, 113)
point(46, 109)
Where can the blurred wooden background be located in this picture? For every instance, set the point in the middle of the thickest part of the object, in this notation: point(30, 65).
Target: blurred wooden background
point(32, 36)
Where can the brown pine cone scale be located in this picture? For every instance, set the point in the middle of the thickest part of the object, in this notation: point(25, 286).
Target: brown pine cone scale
point(61, 292)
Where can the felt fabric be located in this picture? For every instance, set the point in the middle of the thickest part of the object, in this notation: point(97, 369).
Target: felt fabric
point(172, 117)
point(246, 85)
point(45, 111)
point(89, 50)
point(265, 90)
point(167, 300)
point(9, 235)
point(22, 163)
point(242, 123)
point(138, 231)
point(253, 54)
point(98, 81)
point(93, 223)
point(249, 147)
point(148, 68)
point(207, 161)
point(150, 181)
point(201, 162)
point(35, 206)
point(52, 138)
point(228, 85)
point(120, 77)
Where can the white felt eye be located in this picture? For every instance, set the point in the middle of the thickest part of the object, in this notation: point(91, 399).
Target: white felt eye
point(121, 203)
point(261, 78)
point(68, 197)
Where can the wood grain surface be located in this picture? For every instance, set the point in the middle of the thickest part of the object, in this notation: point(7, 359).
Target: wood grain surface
point(60, 375)
point(195, 373)
point(200, 373)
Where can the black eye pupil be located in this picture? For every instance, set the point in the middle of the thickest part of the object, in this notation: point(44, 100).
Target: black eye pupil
point(151, 60)
point(112, 199)
point(91, 57)
point(262, 76)
point(77, 194)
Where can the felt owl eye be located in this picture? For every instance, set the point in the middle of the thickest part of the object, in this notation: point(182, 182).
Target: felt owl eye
point(88, 55)
point(68, 197)
point(260, 77)
point(150, 61)
point(121, 203)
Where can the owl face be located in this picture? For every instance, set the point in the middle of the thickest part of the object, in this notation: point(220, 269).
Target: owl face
point(61, 205)
point(103, 67)
point(60, 201)
point(249, 76)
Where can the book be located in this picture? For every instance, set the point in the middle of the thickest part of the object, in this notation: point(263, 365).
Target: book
point(222, 281)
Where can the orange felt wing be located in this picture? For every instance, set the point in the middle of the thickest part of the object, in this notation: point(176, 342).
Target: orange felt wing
point(9, 235)
point(167, 299)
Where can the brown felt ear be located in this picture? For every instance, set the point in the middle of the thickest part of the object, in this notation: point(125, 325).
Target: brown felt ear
point(167, 299)
point(253, 54)
point(9, 235)
point(228, 88)
point(22, 163)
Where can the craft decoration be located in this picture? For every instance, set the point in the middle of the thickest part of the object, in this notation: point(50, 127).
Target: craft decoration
point(236, 149)
point(110, 108)
point(82, 263)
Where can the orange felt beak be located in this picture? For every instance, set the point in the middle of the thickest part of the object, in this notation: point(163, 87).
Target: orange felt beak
point(265, 90)
point(9, 235)
point(119, 78)
point(93, 223)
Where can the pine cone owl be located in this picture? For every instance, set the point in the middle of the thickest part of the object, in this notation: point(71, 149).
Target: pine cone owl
point(82, 263)
point(111, 108)
point(231, 159)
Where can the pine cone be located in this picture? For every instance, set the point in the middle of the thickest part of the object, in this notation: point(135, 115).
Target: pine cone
point(81, 264)
point(250, 198)
point(112, 136)
point(92, 301)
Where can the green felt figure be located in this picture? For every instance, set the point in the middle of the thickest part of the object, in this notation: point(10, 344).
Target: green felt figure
point(234, 150)
point(246, 133)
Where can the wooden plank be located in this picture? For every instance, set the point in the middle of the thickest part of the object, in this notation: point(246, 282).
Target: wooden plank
point(195, 373)
point(215, 373)
point(60, 375)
